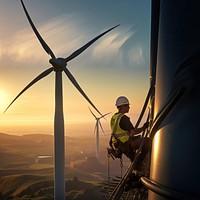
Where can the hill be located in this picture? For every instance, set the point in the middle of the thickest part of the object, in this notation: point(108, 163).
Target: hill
point(27, 170)
point(41, 187)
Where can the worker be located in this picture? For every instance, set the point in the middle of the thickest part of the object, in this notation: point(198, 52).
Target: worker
point(124, 135)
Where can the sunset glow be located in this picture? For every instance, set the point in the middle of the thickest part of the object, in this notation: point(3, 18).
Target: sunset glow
point(117, 64)
point(3, 99)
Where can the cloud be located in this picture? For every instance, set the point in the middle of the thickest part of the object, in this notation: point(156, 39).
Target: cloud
point(134, 52)
point(136, 55)
point(61, 34)
point(108, 48)
point(22, 46)
point(67, 33)
point(120, 48)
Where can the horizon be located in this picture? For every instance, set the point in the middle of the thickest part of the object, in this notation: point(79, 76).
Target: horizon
point(74, 128)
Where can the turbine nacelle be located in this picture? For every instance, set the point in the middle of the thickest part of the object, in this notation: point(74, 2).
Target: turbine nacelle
point(58, 63)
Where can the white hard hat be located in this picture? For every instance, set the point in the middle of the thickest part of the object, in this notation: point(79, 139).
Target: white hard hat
point(122, 100)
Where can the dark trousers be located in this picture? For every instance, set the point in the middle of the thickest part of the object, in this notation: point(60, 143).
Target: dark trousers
point(130, 148)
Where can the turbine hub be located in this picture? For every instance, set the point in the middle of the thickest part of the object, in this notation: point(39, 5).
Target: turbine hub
point(58, 63)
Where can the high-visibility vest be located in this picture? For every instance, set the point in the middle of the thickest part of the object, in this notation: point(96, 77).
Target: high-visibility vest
point(122, 135)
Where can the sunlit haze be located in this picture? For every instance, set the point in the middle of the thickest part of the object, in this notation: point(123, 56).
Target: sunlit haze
point(117, 64)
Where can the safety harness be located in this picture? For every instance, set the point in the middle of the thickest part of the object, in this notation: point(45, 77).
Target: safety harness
point(115, 151)
point(118, 135)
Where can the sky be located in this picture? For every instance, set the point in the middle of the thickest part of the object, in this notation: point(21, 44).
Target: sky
point(117, 64)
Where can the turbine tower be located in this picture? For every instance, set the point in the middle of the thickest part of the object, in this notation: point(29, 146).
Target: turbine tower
point(96, 130)
point(58, 66)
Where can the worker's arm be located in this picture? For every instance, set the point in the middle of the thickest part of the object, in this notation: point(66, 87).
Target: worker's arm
point(138, 130)
point(126, 124)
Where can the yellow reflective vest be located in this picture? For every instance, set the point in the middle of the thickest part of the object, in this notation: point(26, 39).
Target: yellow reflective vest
point(122, 135)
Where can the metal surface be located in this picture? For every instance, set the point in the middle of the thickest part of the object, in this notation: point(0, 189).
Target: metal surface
point(175, 159)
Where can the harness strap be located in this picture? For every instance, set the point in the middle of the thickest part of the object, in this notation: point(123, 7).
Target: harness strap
point(121, 134)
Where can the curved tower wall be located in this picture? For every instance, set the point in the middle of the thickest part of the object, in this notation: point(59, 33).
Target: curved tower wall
point(175, 162)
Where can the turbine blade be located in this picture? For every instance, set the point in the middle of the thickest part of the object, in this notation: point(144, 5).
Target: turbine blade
point(75, 83)
point(83, 48)
point(42, 42)
point(104, 115)
point(101, 127)
point(42, 75)
point(92, 113)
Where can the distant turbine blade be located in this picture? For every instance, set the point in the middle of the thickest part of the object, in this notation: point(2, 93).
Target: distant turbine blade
point(105, 115)
point(43, 43)
point(92, 113)
point(42, 75)
point(101, 127)
point(75, 83)
point(83, 48)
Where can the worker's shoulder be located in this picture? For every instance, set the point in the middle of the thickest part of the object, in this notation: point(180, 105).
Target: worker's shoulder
point(125, 117)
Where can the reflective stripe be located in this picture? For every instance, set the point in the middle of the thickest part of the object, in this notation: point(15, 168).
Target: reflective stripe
point(122, 134)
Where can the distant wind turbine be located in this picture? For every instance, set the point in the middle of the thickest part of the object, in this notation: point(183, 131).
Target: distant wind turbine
point(58, 66)
point(96, 130)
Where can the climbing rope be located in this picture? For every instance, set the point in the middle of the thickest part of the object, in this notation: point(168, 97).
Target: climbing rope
point(108, 166)
point(121, 166)
point(108, 170)
point(172, 101)
point(151, 89)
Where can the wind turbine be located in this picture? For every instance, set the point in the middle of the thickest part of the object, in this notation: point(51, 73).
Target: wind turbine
point(96, 130)
point(58, 66)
